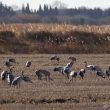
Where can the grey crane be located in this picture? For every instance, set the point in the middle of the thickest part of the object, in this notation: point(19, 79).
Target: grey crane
point(4, 75)
point(82, 73)
point(43, 73)
point(100, 73)
point(92, 67)
point(17, 80)
point(27, 79)
point(73, 74)
point(67, 68)
point(107, 71)
point(63, 70)
point(10, 77)
point(72, 58)
point(55, 57)
point(28, 63)
point(59, 69)
point(11, 62)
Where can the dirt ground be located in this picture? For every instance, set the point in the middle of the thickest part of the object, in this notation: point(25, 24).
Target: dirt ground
point(90, 93)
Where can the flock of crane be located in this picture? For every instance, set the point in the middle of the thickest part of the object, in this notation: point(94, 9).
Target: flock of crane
point(81, 72)
point(12, 80)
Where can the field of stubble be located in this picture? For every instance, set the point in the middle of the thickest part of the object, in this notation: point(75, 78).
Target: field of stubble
point(90, 93)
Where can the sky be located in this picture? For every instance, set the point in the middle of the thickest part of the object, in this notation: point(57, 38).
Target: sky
point(34, 4)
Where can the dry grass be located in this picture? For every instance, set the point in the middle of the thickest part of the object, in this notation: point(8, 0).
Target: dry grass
point(91, 93)
point(63, 28)
point(55, 38)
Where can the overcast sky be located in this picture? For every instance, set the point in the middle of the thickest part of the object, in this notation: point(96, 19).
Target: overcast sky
point(34, 4)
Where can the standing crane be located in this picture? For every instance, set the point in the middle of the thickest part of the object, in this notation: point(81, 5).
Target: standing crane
point(17, 80)
point(28, 63)
point(40, 73)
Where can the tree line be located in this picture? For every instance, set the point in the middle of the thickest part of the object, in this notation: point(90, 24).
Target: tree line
point(49, 14)
point(6, 10)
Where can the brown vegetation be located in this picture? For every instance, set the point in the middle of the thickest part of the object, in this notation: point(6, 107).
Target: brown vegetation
point(54, 38)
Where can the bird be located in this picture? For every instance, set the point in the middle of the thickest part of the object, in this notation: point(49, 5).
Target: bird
point(63, 70)
point(28, 63)
point(40, 73)
point(27, 79)
point(10, 78)
point(70, 64)
point(72, 58)
point(92, 67)
point(72, 74)
point(82, 73)
point(12, 60)
point(10, 63)
point(17, 80)
point(100, 73)
point(4, 74)
point(59, 69)
point(67, 69)
point(107, 71)
point(55, 57)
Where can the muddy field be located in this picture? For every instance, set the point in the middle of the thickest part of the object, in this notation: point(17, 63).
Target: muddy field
point(90, 93)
